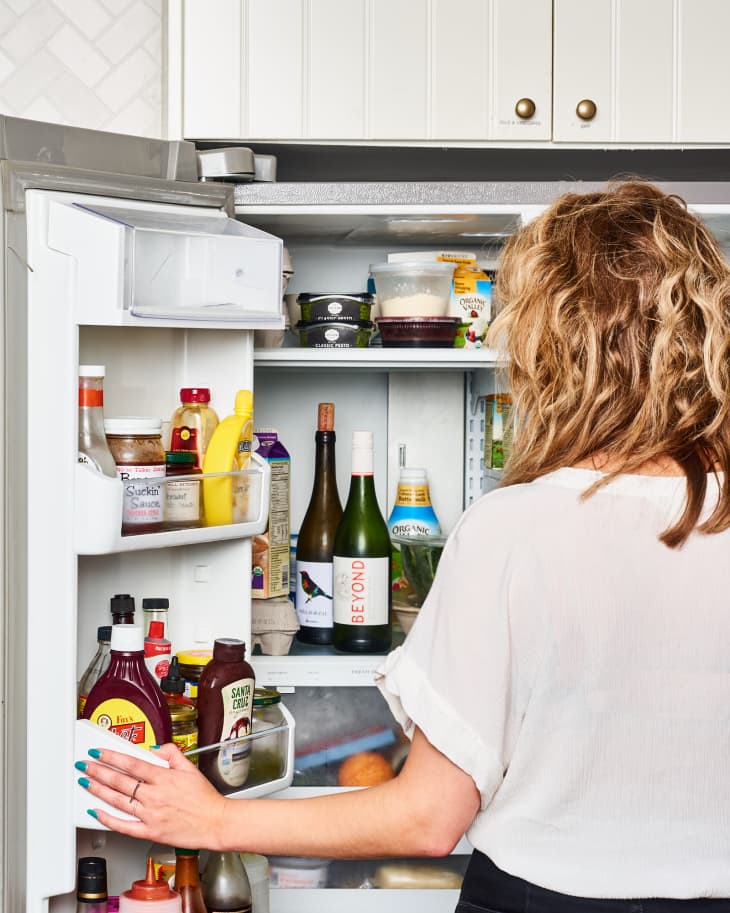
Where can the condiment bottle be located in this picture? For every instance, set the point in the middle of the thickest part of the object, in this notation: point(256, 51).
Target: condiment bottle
point(183, 497)
point(127, 700)
point(136, 444)
point(361, 558)
point(157, 651)
point(317, 536)
point(192, 663)
point(96, 668)
point(150, 895)
point(183, 712)
point(91, 891)
point(122, 608)
point(193, 423)
point(93, 448)
point(226, 499)
point(225, 706)
point(187, 881)
point(226, 887)
point(155, 609)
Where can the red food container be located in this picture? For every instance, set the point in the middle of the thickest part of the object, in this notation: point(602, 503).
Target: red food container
point(418, 332)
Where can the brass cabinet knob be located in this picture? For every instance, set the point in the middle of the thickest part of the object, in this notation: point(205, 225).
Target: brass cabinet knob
point(586, 109)
point(525, 108)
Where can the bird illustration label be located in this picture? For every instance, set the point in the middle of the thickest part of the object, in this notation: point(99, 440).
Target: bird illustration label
point(314, 594)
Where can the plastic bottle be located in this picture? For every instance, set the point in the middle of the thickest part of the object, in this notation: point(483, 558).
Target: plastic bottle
point(157, 651)
point(193, 423)
point(361, 560)
point(183, 712)
point(225, 709)
point(150, 895)
point(314, 596)
point(93, 448)
point(226, 499)
point(122, 609)
point(96, 668)
point(155, 609)
point(91, 891)
point(127, 700)
point(187, 881)
point(163, 859)
point(226, 888)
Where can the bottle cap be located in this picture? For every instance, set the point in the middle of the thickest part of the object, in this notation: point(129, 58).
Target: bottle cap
point(127, 638)
point(133, 424)
point(92, 371)
point(173, 682)
point(229, 650)
point(104, 633)
point(244, 402)
point(362, 440)
point(262, 697)
point(122, 604)
point(195, 657)
point(91, 882)
point(362, 453)
point(326, 417)
point(179, 851)
point(413, 476)
point(157, 629)
point(181, 456)
point(150, 602)
point(150, 889)
point(195, 395)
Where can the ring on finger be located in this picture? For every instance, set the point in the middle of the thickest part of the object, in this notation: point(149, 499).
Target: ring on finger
point(134, 791)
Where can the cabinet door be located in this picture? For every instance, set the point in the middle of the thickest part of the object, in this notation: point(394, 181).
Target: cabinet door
point(521, 55)
point(703, 115)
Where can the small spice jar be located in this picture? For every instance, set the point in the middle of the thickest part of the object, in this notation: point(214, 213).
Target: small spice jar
point(191, 665)
point(268, 752)
point(182, 498)
point(136, 445)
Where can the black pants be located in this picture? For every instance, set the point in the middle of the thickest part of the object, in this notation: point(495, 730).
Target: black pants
point(487, 889)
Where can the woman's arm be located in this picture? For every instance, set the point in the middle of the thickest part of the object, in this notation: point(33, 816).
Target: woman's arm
point(422, 812)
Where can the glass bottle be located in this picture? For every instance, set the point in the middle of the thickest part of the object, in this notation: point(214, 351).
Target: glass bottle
point(155, 609)
point(98, 665)
point(187, 880)
point(193, 423)
point(93, 447)
point(91, 891)
point(361, 559)
point(226, 888)
point(314, 596)
point(121, 606)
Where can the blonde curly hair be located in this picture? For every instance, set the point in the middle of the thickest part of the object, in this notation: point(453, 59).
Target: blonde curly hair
point(616, 322)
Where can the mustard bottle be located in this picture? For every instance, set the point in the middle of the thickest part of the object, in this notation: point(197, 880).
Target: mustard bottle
point(226, 498)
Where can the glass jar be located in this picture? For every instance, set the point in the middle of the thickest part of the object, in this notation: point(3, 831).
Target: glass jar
point(182, 499)
point(268, 752)
point(184, 727)
point(136, 445)
point(191, 665)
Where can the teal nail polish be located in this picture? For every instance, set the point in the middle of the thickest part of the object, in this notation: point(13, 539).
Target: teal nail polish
point(84, 782)
point(94, 753)
point(81, 765)
point(90, 811)
point(154, 747)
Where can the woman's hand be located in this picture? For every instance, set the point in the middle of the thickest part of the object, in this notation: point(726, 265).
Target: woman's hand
point(175, 805)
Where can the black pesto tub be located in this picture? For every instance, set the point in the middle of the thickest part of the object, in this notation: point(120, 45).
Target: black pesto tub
point(330, 334)
point(353, 306)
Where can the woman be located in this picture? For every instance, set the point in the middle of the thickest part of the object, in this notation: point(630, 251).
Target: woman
point(567, 684)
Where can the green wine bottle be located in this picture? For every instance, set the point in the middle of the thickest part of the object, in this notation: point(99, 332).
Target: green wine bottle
point(361, 560)
point(314, 598)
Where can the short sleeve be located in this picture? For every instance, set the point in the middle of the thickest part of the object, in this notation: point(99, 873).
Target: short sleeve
point(464, 672)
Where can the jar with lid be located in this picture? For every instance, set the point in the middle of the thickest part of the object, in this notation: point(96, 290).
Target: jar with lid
point(193, 423)
point(191, 665)
point(183, 712)
point(268, 752)
point(182, 498)
point(136, 445)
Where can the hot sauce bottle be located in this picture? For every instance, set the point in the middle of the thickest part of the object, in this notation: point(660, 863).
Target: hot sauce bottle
point(126, 700)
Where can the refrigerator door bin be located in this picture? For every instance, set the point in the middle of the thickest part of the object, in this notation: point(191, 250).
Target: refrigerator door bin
point(100, 500)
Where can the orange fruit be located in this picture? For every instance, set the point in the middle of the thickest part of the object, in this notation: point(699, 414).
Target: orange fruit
point(366, 768)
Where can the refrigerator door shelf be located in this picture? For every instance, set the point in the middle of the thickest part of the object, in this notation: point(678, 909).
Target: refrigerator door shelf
point(89, 735)
point(162, 265)
point(98, 514)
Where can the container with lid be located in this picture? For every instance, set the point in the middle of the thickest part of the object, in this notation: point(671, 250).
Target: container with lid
point(268, 752)
point(413, 288)
point(150, 895)
point(136, 445)
point(298, 872)
point(352, 306)
point(191, 665)
point(155, 608)
point(193, 423)
point(183, 712)
point(330, 334)
point(183, 492)
point(418, 332)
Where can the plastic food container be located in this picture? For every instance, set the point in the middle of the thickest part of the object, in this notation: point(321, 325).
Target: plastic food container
point(297, 872)
point(413, 288)
point(418, 332)
point(354, 306)
point(325, 334)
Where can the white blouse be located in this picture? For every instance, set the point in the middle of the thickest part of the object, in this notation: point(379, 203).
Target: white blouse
point(579, 671)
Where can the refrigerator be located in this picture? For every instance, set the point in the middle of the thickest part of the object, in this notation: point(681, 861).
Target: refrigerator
point(114, 253)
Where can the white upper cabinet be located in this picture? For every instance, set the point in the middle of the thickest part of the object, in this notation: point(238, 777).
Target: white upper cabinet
point(703, 71)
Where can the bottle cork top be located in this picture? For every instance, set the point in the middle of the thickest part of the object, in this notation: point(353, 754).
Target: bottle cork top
point(326, 417)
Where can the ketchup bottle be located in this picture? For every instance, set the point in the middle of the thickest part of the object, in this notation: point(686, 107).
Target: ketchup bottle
point(225, 703)
point(150, 895)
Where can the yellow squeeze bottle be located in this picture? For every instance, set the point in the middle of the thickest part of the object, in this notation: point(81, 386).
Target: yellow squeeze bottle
point(226, 498)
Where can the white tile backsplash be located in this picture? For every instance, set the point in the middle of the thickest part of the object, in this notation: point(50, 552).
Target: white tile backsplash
point(89, 63)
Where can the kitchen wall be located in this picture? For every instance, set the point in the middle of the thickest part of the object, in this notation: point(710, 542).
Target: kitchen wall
point(87, 63)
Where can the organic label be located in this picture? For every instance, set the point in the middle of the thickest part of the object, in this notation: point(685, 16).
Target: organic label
point(314, 597)
point(361, 590)
point(126, 720)
point(233, 760)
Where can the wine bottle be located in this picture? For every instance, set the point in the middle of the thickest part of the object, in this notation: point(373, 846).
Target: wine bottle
point(362, 556)
point(314, 597)
point(226, 888)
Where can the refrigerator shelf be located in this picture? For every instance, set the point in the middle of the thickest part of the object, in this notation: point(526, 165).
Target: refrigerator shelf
point(99, 505)
point(376, 358)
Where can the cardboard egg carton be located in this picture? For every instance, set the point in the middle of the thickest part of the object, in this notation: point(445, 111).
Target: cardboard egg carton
point(273, 625)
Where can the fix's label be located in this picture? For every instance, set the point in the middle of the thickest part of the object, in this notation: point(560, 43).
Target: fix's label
point(361, 590)
point(126, 720)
